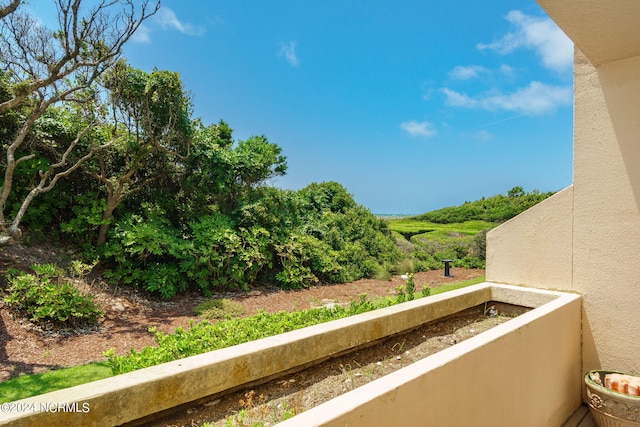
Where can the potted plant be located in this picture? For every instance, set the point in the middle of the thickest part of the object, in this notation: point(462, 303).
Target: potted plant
point(613, 398)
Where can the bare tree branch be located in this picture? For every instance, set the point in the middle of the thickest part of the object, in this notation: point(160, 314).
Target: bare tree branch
point(47, 182)
point(39, 60)
point(8, 9)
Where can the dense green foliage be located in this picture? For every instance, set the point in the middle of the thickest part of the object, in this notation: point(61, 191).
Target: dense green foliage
point(53, 104)
point(410, 227)
point(45, 297)
point(498, 208)
point(425, 245)
point(321, 235)
point(169, 204)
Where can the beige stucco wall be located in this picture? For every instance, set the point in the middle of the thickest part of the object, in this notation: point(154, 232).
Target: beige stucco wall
point(593, 226)
point(606, 211)
point(536, 247)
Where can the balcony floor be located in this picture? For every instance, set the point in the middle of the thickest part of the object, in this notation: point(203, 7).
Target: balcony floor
point(581, 418)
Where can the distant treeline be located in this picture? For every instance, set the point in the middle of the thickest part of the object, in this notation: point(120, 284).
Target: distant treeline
point(497, 208)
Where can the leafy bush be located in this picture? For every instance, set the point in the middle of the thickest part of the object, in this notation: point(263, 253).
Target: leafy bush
point(145, 250)
point(301, 258)
point(316, 235)
point(478, 246)
point(151, 253)
point(87, 211)
point(221, 256)
point(45, 297)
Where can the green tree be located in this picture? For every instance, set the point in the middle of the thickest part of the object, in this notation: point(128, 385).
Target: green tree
point(220, 172)
point(151, 132)
point(516, 191)
point(43, 68)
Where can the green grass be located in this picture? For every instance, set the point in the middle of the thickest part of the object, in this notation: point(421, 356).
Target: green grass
point(454, 286)
point(411, 227)
point(32, 385)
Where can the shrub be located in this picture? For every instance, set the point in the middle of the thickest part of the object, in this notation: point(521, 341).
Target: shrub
point(316, 235)
point(406, 265)
point(222, 256)
point(498, 208)
point(88, 210)
point(44, 299)
point(301, 257)
point(478, 246)
point(145, 250)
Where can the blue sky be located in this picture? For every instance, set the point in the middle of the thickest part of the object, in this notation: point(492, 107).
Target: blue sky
point(412, 105)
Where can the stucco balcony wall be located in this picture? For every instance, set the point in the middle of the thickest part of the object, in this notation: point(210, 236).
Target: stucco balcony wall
point(525, 372)
point(536, 246)
point(519, 373)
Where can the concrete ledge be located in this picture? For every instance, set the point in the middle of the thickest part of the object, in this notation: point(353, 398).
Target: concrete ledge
point(525, 372)
point(127, 397)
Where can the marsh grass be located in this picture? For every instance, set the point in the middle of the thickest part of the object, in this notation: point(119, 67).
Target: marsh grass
point(411, 227)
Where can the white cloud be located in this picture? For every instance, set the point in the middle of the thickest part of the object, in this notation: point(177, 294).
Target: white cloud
point(540, 34)
point(167, 19)
point(415, 128)
point(457, 99)
point(537, 98)
point(288, 51)
point(465, 73)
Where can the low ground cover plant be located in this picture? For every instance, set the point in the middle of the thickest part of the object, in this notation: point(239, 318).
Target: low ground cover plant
point(203, 336)
point(46, 297)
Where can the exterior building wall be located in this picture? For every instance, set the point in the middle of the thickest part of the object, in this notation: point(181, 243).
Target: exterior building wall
point(592, 226)
point(606, 211)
